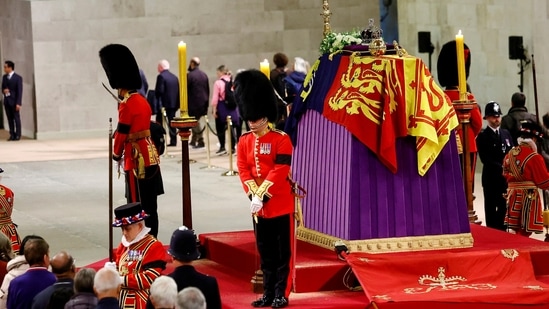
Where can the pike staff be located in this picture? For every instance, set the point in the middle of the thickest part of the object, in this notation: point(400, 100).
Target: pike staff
point(111, 257)
point(545, 206)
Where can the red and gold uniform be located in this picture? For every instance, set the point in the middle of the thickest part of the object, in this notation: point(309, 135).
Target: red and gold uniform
point(139, 265)
point(6, 225)
point(525, 172)
point(264, 165)
point(133, 136)
point(141, 161)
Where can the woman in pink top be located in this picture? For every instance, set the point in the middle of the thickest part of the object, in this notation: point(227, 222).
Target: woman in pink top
point(221, 111)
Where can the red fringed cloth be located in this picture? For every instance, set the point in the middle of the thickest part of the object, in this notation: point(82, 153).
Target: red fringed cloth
point(495, 276)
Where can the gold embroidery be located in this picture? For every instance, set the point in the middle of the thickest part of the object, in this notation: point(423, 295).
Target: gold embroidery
point(534, 287)
point(511, 254)
point(252, 186)
point(383, 245)
point(443, 283)
point(264, 189)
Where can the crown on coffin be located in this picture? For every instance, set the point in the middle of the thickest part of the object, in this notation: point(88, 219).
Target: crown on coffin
point(371, 33)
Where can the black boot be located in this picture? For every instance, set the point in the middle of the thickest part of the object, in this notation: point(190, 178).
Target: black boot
point(264, 301)
point(280, 302)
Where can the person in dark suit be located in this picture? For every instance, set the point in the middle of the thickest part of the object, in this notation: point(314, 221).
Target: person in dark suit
point(12, 88)
point(167, 91)
point(493, 143)
point(198, 89)
point(183, 249)
point(144, 84)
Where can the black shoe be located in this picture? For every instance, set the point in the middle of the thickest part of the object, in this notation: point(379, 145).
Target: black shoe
point(17, 138)
point(172, 145)
point(221, 152)
point(192, 144)
point(11, 139)
point(280, 302)
point(264, 301)
point(198, 145)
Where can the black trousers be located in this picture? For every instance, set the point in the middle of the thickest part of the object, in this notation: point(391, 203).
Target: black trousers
point(14, 120)
point(221, 127)
point(495, 207)
point(148, 189)
point(172, 132)
point(273, 239)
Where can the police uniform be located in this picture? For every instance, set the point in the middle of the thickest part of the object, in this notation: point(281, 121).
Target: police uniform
point(139, 262)
point(493, 144)
point(6, 225)
point(132, 139)
point(264, 159)
point(525, 171)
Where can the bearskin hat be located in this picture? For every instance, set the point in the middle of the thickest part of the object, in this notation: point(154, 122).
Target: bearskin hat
point(255, 95)
point(120, 67)
point(530, 129)
point(447, 64)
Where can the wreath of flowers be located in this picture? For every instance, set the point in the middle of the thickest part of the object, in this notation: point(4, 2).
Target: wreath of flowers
point(131, 219)
point(333, 42)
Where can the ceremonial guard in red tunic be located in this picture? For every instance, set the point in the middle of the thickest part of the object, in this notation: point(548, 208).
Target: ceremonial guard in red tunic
point(139, 259)
point(132, 139)
point(448, 78)
point(525, 171)
point(6, 225)
point(264, 157)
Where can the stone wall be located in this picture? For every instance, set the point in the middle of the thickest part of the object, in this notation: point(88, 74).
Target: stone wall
point(486, 26)
point(16, 45)
point(68, 34)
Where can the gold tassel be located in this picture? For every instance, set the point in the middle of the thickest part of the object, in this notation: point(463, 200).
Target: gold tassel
point(546, 218)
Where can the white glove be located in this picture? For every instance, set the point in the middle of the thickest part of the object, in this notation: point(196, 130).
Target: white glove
point(111, 265)
point(256, 204)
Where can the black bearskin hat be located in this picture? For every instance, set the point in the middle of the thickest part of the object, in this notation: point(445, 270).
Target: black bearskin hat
point(120, 67)
point(530, 129)
point(447, 64)
point(255, 95)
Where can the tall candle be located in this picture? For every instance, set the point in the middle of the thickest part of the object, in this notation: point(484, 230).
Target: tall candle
point(264, 67)
point(182, 52)
point(462, 86)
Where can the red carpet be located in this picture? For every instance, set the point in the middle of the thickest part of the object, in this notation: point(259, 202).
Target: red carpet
point(231, 257)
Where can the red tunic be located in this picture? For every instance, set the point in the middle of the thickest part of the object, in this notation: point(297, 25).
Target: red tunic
point(131, 138)
point(525, 171)
point(264, 165)
point(139, 265)
point(6, 225)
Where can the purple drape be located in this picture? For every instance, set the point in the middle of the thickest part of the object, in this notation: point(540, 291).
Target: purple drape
point(351, 195)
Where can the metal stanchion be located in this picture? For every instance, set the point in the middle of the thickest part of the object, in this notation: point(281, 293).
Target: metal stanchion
point(230, 172)
point(166, 126)
point(208, 156)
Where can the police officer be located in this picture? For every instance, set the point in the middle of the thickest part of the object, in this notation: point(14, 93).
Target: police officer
point(493, 143)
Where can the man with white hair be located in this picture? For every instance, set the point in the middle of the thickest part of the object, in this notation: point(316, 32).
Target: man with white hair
point(190, 298)
point(106, 285)
point(163, 292)
point(167, 93)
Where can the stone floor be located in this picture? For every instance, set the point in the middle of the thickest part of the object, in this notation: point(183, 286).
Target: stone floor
point(61, 193)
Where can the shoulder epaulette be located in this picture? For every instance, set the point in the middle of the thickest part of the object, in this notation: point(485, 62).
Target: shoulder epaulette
point(248, 132)
point(279, 131)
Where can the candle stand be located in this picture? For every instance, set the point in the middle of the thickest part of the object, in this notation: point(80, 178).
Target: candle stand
point(184, 125)
point(463, 109)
